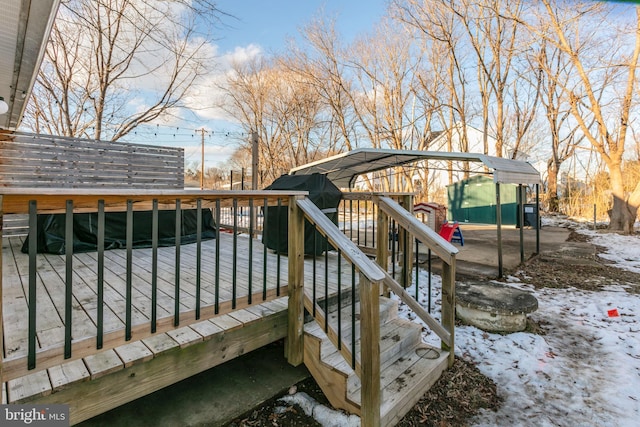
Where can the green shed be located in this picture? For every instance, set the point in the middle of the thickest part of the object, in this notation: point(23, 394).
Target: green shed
point(474, 200)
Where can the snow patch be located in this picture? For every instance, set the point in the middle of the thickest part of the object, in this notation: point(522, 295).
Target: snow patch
point(584, 371)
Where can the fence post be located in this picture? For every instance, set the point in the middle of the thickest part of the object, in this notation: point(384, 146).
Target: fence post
point(449, 304)
point(295, 328)
point(370, 351)
point(382, 250)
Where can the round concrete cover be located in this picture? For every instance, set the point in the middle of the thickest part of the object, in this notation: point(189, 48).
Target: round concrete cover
point(495, 298)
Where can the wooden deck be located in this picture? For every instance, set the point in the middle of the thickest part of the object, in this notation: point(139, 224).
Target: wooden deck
point(106, 333)
point(234, 262)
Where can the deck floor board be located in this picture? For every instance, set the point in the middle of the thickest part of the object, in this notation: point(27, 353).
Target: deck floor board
point(51, 289)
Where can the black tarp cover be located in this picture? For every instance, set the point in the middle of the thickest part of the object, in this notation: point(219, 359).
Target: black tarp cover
point(322, 193)
point(51, 230)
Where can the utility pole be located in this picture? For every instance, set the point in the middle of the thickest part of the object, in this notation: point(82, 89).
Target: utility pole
point(254, 160)
point(254, 171)
point(202, 164)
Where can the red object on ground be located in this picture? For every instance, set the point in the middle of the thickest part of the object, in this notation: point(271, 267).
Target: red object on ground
point(447, 230)
point(450, 231)
point(613, 312)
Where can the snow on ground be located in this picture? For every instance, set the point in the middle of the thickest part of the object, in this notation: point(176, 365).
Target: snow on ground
point(624, 251)
point(326, 416)
point(584, 372)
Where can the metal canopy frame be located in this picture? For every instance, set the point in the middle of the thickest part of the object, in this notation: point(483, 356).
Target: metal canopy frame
point(343, 169)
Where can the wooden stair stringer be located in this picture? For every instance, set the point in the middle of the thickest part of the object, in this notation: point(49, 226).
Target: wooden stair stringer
point(333, 378)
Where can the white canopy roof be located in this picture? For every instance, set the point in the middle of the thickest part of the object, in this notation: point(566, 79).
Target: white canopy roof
point(344, 168)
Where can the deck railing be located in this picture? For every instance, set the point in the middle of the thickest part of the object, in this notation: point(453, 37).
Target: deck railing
point(152, 290)
point(387, 222)
point(412, 231)
point(156, 291)
point(370, 218)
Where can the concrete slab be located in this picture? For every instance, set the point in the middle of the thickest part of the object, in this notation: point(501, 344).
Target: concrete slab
point(479, 255)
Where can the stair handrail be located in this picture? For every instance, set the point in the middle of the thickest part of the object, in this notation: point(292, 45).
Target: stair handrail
point(338, 239)
point(371, 277)
point(446, 251)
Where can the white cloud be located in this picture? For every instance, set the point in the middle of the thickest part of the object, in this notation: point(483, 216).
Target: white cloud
point(241, 54)
point(206, 95)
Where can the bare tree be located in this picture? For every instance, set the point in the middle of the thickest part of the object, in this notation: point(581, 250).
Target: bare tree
point(444, 80)
point(604, 89)
point(492, 32)
point(249, 91)
point(525, 96)
point(367, 88)
point(556, 70)
point(111, 65)
point(385, 68)
point(279, 104)
point(323, 67)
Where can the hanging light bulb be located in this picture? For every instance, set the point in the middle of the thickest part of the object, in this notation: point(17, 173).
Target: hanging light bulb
point(4, 107)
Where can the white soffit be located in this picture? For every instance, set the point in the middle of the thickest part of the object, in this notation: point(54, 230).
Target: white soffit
point(24, 32)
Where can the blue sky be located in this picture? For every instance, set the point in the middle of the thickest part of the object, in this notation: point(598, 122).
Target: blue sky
point(269, 23)
point(254, 27)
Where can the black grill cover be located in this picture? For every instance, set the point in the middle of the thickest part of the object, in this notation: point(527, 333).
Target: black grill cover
point(51, 230)
point(322, 192)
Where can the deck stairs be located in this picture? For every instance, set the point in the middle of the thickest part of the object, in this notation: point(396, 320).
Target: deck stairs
point(409, 367)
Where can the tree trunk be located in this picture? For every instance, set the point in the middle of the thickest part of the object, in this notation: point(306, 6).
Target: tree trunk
point(552, 186)
point(633, 204)
point(623, 214)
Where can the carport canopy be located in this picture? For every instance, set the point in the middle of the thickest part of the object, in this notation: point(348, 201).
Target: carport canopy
point(343, 169)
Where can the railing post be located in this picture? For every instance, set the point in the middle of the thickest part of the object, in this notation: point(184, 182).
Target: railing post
point(382, 249)
point(449, 304)
point(405, 241)
point(295, 328)
point(370, 351)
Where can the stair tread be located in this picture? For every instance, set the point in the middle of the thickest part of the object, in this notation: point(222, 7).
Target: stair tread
point(392, 334)
point(387, 305)
point(398, 336)
point(409, 367)
point(388, 311)
point(410, 376)
point(337, 361)
point(388, 314)
point(399, 395)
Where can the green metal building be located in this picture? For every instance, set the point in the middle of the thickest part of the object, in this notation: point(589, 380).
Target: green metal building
point(474, 200)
